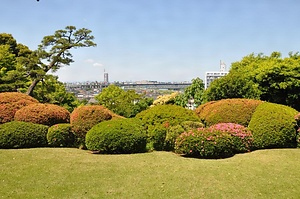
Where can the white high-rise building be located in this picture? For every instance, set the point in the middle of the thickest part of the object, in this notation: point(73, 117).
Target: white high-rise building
point(105, 77)
point(211, 76)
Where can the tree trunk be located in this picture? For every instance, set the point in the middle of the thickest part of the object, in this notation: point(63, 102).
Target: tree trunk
point(32, 86)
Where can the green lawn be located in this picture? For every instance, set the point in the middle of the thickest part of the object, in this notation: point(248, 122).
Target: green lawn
point(74, 173)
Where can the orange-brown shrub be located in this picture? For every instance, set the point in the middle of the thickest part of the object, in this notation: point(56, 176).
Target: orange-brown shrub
point(10, 102)
point(237, 111)
point(83, 118)
point(47, 114)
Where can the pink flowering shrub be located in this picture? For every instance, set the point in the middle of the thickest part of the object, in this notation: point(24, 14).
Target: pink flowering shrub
point(218, 141)
point(241, 136)
point(205, 143)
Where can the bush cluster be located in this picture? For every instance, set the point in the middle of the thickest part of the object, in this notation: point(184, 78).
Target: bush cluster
point(174, 131)
point(17, 134)
point(117, 136)
point(158, 119)
point(237, 111)
point(47, 114)
point(10, 102)
point(83, 118)
point(218, 141)
point(60, 135)
point(273, 126)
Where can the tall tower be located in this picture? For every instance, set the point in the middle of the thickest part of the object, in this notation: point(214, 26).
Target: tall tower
point(105, 77)
point(222, 66)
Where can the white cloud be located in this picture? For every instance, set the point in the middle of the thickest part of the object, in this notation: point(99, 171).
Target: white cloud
point(90, 61)
point(97, 64)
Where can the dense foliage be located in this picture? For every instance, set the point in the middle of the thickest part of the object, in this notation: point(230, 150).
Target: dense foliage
point(117, 136)
point(124, 103)
point(273, 126)
point(268, 78)
point(47, 114)
point(22, 135)
point(10, 102)
point(158, 119)
point(237, 111)
point(193, 92)
point(218, 141)
point(83, 118)
point(60, 135)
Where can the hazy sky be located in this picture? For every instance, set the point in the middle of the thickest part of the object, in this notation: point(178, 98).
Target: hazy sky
point(162, 40)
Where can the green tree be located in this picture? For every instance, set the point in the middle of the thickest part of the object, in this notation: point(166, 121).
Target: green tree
point(194, 92)
point(269, 78)
point(54, 52)
point(125, 103)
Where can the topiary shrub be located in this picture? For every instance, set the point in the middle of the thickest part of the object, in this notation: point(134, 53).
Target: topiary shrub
point(117, 136)
point(84, 118)
point(273, 126)
point(238, 111)
point(22, 135)
point(10, 102)
point(241, 136)
point(169, 115)
point(205, 143)
point(47, 114)
point(60, 135)
point(158, 119)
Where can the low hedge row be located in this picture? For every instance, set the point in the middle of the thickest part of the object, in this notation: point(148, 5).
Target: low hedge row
point(60, 135)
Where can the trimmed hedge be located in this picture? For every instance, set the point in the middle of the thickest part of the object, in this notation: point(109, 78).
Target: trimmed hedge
point(60, 135)
point(273, 126)
point(83, 118)
point(22, 135)
point(168, 115)
point(238, 111)
point(158, 119)
point(47, 114)
point(117, 136)
point(10, 102)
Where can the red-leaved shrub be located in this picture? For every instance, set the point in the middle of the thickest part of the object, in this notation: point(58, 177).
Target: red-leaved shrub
point(83, 118)
point(10, 102)
point(237, 111)
point(47, 114)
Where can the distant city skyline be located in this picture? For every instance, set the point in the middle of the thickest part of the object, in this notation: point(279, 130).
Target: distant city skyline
point(159, 40)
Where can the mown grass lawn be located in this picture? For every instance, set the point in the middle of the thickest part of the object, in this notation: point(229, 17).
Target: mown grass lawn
point(74, 173)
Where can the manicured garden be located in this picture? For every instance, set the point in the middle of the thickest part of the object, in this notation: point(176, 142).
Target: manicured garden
point(231, 148)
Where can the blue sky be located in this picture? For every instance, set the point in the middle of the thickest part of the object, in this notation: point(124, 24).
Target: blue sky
point(161, 40)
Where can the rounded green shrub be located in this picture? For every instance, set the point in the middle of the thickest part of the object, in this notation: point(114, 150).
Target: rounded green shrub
point(189, 125)
point(17, 134)
point(117, 136)
point(168, 115)
point(47, 114)
point(10, 102)
point(273, 126)
point(238, 111)
point(60, 135)
point(205, 143)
